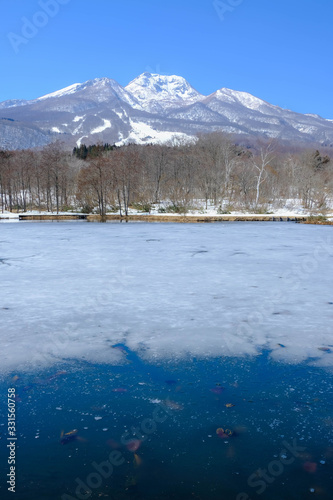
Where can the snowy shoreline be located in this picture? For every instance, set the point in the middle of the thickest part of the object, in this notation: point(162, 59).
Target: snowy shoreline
point(194, 216)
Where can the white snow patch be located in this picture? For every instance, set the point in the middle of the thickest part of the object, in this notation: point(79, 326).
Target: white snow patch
point(143, 133)
point(78, 118)
point(121, 114)
point(8, 215)
point(55, 129)
point(77, 129)
point(79, 141)
point(106, 125)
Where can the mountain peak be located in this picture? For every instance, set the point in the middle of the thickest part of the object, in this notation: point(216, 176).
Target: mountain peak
point(98, 83)
point(172, 89)
point(59, 93)
point(238, 97)
point(98, 90)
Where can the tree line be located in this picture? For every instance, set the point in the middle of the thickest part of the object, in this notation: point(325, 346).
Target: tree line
point(214, 170)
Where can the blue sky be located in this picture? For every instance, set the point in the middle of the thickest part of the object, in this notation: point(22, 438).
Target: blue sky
point(278, 50)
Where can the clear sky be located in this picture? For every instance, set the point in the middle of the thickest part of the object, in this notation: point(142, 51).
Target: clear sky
point(278, 50)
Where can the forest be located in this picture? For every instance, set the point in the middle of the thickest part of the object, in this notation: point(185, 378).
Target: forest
point(214, 171)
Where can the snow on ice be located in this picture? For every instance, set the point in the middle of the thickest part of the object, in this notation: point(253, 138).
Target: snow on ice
point(70, 291)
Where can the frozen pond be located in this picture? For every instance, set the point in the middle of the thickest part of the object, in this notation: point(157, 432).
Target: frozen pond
point(167, 291)
point(168, 361)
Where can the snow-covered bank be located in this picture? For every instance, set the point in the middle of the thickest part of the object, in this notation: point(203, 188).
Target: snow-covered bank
point(9, 215)
point(157, 212)
point(16, 215)
point(288, 208)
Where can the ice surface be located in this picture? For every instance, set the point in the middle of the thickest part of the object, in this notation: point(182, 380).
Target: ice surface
point(71, 290)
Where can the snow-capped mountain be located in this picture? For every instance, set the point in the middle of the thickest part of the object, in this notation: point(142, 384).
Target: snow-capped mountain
point(158, 93)
point(100, 90)
point(152, 108)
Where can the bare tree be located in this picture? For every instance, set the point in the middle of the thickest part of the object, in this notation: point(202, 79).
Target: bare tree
point(5, 179)
point(127, 164)
point(260, 164)
point(55, 165)
point(95, 183)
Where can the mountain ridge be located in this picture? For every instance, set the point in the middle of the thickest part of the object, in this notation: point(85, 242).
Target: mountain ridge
point(152, 108)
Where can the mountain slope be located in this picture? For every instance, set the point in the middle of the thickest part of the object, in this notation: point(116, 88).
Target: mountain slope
point(151, 108)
